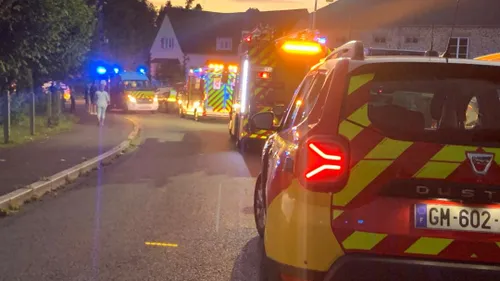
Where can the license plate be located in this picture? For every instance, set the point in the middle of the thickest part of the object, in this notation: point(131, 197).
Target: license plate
point(432, 216)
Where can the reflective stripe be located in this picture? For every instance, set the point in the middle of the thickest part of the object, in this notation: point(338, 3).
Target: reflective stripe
point(429, 246)
point(362, 240)
point(336, 213)
point(361, 175)
point(454, 153)
point(349, 130)
point(360, 116)
point(358, 81)
point(436, 170)
point(388, 149)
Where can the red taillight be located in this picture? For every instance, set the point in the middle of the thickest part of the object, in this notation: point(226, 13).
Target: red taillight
point(322, 164)
point(264, 75)
point(324, 161)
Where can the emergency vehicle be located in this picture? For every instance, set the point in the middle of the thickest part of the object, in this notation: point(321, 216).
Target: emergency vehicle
point(358, 185)
point(490, 57)
point(132, 91)
point(209, 91)
point(271, 69)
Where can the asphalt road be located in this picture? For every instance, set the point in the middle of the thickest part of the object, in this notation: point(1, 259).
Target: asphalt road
point(184, 187)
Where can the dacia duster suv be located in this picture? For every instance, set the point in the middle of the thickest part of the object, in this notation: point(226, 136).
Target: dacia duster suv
point(384, 168)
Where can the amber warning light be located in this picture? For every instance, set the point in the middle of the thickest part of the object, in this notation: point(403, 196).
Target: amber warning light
point(301, 47)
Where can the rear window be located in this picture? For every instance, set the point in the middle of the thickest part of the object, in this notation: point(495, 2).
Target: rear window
point(443, 103)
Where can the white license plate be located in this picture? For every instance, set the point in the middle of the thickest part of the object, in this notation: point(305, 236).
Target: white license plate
point(432, 216)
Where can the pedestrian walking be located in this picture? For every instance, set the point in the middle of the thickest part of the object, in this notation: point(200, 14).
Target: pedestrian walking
point(87, 97)
point(102, 102)
point(93, 106)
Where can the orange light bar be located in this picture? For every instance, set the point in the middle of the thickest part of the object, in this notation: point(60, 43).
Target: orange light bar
point(301, 47)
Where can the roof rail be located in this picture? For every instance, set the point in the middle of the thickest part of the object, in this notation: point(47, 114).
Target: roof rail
point(354, 50)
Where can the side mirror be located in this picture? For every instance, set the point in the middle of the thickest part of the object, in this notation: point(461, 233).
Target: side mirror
point(263, 121)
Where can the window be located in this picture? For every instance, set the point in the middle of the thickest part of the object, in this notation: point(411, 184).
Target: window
point(410, 40)
point(309, 99)
point(167, 43)
point(224, 44)
point(461, 107)
point(379, 39)
point(297, 101)
point(459, 47)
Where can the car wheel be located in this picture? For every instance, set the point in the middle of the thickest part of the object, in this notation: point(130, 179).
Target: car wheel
point(259, 205)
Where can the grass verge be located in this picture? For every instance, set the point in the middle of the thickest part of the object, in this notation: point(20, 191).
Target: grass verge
point(20, 132)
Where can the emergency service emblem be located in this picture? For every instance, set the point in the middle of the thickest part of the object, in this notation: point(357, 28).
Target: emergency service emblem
point(480, 162)
point(217, 83)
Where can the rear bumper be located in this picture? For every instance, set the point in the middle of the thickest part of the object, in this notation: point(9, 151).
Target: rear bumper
point(362, 267)
point(365, 267)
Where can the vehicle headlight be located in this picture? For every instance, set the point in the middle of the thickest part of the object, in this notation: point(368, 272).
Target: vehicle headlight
point(196, 104)
point(132, 99)
point(155, 99)
point(179, 102)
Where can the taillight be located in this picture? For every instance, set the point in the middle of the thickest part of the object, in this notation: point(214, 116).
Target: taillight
point(322, 164)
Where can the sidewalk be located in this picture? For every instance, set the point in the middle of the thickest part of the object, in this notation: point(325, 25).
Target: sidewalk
point(28, 163)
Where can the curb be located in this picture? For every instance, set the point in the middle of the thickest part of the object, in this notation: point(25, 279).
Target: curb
point(39, 188)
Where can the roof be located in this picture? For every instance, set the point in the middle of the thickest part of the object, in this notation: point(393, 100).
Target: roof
point(388, 13)
point(330, 64)
point(133, 76)
point(197, 31)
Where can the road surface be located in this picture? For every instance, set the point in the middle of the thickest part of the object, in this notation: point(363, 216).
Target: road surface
point(177, 208)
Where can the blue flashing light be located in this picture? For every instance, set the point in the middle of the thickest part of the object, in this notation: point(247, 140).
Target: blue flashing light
point(142, 70)
point(116, 70)
point(322, 40)
point(101, 70)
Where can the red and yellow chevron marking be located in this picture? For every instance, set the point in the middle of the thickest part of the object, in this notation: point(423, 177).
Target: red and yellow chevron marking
point(263, 55)
point(375, 161)
point(141, 94)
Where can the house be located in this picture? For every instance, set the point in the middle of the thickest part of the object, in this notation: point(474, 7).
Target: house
point(471, 28)
point(190, 38)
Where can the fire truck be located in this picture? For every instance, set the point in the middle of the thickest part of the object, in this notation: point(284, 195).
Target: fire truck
point(272, 67)
point(209, 91)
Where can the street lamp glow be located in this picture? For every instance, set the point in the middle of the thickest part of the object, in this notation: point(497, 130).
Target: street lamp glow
point(101, 70)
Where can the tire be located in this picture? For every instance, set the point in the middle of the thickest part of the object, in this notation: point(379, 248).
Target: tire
point(195, 116)
point(259, 206)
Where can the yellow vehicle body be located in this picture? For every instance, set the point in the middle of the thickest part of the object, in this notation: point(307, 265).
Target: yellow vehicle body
point(490, 57)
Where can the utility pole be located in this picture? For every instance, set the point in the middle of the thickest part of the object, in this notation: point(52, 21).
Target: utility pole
point(314, 15)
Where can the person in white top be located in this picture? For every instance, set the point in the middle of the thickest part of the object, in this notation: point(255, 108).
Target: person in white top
point(102, 102)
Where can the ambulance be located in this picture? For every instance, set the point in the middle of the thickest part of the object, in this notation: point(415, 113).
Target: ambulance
point(132, 91)
point(209, 91)
point(272, 67)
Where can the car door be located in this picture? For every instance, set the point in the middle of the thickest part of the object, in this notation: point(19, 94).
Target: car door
point(280, 163)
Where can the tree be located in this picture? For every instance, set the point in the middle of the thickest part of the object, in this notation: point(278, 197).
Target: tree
point(34, 32)
point(129, 26)
point(189, 4)
point(168, 5)
point(198, 7)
